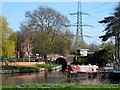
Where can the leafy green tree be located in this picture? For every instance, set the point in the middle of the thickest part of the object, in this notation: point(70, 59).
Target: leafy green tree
point(102, 56)
point(8, 39)
point(63, 43)
point(109, 46)
point(99, 57)
point(0, 36)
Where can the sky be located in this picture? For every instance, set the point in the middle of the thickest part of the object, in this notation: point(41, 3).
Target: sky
point(14, 12)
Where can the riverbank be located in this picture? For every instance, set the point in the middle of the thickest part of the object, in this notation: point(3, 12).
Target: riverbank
point(29, 69)
point(66, 86)
point(19, 63)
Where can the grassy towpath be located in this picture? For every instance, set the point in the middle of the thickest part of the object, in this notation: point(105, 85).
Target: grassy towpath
point(66, 86)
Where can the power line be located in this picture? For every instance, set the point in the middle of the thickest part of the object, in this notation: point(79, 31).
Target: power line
point(94, 8)
point(80, 24)
point(102, 11)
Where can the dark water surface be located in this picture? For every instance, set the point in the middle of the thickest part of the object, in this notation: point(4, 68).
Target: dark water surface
point(53, 77)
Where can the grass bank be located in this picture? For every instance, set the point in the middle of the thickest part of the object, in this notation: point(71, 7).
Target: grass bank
point(28, 67)
point(21, 59)
point(67, 86)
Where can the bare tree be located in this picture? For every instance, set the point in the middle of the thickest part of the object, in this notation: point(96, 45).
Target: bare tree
point(42, 28)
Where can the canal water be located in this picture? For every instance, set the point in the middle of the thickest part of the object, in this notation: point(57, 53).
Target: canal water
point(53, 77)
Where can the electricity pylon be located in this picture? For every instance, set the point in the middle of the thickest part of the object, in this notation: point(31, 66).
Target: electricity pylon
point(79, 30)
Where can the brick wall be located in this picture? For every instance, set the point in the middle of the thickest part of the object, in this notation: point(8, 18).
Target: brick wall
point(20, 63)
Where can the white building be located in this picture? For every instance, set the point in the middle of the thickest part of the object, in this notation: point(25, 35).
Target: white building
point(84, 52)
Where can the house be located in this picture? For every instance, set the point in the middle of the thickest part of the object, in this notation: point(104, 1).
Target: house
point(84, 52)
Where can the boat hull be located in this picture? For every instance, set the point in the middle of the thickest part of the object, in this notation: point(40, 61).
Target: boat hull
point(115, 73)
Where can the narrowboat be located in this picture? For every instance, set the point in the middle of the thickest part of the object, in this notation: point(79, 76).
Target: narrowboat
point(72, 68)
point(115, 73)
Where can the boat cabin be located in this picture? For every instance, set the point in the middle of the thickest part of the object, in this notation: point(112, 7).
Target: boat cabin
point(82, 68)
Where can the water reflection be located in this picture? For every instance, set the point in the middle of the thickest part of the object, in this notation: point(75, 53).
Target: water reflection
point(53, 77)
point(89, 78)
point(42, 77)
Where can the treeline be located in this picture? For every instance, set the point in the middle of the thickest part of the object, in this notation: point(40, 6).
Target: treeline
point(100, 57)
point(44, 31)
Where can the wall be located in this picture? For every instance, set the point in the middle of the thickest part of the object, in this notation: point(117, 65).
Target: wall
point(20, 63)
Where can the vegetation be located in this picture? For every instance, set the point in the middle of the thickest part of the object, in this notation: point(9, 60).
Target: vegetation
point(112, 25)
point(99, 57)
point(8, 39)
point(21, 60)
point(46, 32)
point(113, 29)
point(67, 86)
point(14, 67)
point(28, 67)
point(103, 56)
point(45, 65)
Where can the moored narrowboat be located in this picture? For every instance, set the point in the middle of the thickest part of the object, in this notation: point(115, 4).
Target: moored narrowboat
point(114, 73)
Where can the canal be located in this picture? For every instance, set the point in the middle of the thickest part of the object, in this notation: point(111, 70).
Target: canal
point(53, 77)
